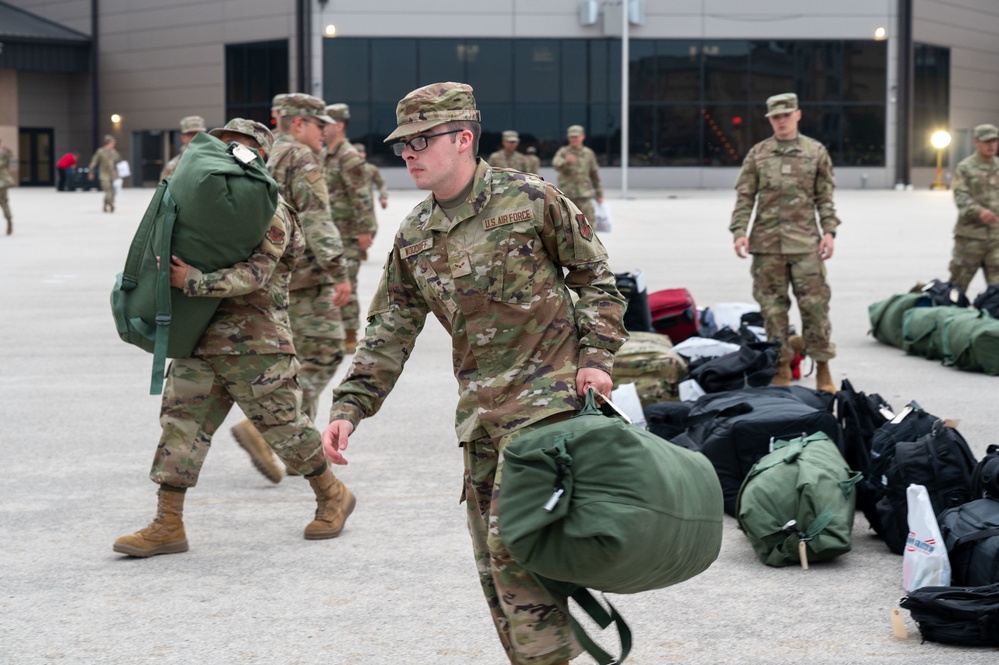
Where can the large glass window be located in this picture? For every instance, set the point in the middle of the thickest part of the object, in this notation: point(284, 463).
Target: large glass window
point(254, 73)
point(692, 102)
point(931, 100)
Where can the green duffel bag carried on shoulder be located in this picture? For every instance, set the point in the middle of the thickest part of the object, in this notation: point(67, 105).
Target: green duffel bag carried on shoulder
point(596, 502)
point(887, 316)
point(212, 213)
point(972, 343)
point(797, 503)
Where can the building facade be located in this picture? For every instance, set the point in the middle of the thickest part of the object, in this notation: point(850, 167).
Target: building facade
point(874, 77)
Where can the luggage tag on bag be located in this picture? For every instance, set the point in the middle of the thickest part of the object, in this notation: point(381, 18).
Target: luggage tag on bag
point(898, 624)
point(902, 415)
point(614, 407)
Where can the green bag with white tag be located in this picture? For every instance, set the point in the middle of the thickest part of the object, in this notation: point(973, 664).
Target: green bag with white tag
point(800, 498)
point(596, 502)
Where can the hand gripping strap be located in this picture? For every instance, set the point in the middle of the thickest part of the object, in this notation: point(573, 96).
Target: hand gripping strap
point(163, 310)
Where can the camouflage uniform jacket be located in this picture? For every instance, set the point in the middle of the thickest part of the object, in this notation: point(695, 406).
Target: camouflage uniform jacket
point(350, 191)
point(171, 166)
point(253, 317)
point(533, 164)
point(582, 179)
point(976, 188)
point(105, 159)
point(299, 177)
point(498, 278)
point(500, 160)
point(787, 184)
point(6, 156)
point(374, 177)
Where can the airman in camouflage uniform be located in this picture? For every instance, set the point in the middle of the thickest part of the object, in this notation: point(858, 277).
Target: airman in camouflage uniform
point(495, 255)
point(319, 285)
point(533, 162)
point(976, 193)
point(189, 128)
point(374, 177)
point(578, 176)
point(507, 157)
point(6, 182)
point(351, 207)
point(789, 177)
point(246, 357)
point(106, 158)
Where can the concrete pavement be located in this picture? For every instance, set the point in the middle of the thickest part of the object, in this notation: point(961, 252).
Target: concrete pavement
point(78, 431)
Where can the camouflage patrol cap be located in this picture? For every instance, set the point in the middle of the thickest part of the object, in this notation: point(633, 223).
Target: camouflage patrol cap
point(338, 112)
point(783, 103)
point(251, 128)
point(511, 135)
point(192, 123)
point(108, 138)
point(575, 130)
point(986, 132)
point(300, 104)
point(433, 105)
point(531, 150)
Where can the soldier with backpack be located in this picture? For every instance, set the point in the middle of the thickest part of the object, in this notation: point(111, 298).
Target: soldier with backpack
point(788, 178)
point(245, 357)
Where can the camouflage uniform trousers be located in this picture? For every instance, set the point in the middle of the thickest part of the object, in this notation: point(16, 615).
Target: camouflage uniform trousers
point(351, 312)
point(5, 203)
point(969, 255)
point(585, 206)
point(806, 275)
point(531, 628)
point(107, 186)
point(317, 330)
point(198, 396)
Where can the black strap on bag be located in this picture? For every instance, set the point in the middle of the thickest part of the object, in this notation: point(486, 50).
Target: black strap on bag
point(602, 617)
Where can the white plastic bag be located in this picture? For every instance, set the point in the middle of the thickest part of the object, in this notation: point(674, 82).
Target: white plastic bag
point(124, 171)
point(925, 561)
point(602, 213)
point(116, 183)
point(625, 396)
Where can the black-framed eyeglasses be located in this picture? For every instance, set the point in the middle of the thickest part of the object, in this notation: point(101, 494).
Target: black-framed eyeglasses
point(419, 143)
point(321, 124)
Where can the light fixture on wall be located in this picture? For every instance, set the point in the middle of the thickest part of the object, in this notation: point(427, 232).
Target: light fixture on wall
point(880, 34)
point(330, 30)
point(939, 140)
point(115, 118)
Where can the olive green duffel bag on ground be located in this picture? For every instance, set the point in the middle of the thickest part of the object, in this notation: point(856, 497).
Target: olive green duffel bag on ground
point(595, 502)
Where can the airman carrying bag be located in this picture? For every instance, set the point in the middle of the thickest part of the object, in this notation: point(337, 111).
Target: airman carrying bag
point(212, 213)
point(797, 503)
point(595, 502)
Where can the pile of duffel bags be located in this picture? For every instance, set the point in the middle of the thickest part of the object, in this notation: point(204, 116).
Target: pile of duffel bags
point(795, 465)
point(937, 321)
point(672, 344)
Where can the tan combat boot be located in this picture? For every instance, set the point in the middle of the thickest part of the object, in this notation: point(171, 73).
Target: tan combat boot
point(350, 342)
point(334, 504)
point(260, 453)
point(10, 226)
point(783, 377)
point(164, 535)
point(823, 379)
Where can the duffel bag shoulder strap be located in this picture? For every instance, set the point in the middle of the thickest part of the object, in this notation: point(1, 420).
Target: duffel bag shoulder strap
point(602, 617)
point(163, 308)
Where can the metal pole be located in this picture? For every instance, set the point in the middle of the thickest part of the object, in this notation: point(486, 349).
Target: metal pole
point(624, 98)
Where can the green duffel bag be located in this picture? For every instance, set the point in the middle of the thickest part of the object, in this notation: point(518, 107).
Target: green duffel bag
point(212, 213)
point(922, 329)
point(797, 503)
point(972, 343)
point(887, 316)
point(595, 502)
point(649, 361)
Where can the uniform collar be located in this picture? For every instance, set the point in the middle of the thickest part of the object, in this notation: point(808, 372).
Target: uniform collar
point(473, 205)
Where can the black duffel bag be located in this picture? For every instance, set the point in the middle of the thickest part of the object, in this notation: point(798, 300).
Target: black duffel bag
point(956, 615)
point(753, 365)
point(971, 535)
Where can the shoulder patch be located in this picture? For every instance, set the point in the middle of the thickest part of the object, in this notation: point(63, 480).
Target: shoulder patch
point(585, 230)
point(275, 235)
point(522, 215)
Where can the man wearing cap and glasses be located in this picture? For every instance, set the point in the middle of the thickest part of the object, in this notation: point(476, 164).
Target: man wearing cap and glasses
point(578, 175)
point(493, 254)
point(189, 128)
point(319, 286)
point(507, 157)
point(351, 207)
point(789, 178)
point(976, 193)
point(227, 369)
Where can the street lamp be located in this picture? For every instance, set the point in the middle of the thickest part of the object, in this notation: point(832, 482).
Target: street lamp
point(939, 140)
